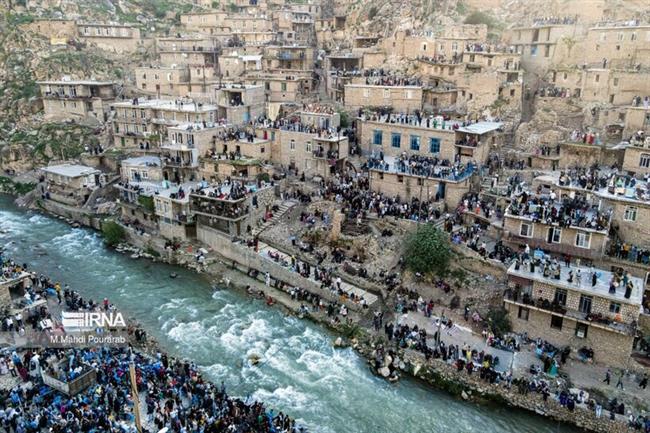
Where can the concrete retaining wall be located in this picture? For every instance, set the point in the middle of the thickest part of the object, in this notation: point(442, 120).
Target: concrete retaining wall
point(249, 259)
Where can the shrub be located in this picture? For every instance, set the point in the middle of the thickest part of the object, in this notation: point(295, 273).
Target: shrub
point(146, 203)
point(113, 233)
point(427, 251)
point(372, 12)
point(478, 17)
point(499, 321)
point(345, 119)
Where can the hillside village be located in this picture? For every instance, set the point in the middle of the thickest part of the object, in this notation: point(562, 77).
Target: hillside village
point(295, 136)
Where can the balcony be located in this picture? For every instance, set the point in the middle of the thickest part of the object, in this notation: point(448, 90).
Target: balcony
point(290, 55)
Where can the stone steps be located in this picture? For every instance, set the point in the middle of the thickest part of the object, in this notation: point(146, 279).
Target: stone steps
point(284, 207)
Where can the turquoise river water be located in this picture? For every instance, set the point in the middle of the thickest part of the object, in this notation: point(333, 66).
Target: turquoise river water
point(328, 390)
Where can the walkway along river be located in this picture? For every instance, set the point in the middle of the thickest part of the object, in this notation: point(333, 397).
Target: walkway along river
point(300, 373)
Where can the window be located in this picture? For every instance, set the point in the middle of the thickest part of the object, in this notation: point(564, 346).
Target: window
point(581, 330)
point(415, 142)
point(585, 304)
point(526, 230)
point(283, 87)
point(547, 51)
point(596, 78)
point(400, 178)
point(614, 308)
point(292, 145)
point(523, 313)
point(408, 94)
point(533, 50)
point(555, 235)
point(630, 213)
point(386, 94)
point(144, 174)
point(615, 81)
point(560, 296)
point(377, 137)
point(395, 140)
point(434, 145)
point(644, 161)
point(583, 240)
point(308, 146)
point(556, 322)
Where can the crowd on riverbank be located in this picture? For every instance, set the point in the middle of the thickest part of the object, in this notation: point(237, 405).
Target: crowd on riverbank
point(175, 394)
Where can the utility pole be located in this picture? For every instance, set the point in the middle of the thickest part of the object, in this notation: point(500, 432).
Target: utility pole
point(136, 398)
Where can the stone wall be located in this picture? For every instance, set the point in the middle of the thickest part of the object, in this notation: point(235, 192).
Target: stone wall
point(81, 216)
point(442, 375)
point(246, 258)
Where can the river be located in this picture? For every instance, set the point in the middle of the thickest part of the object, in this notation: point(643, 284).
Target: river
point(300, 373)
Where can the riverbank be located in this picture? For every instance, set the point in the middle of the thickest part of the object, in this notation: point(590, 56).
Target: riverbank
point(239, 281)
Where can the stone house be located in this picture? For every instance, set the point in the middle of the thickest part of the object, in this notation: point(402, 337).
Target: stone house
point(544, 45)
point(186, 144)
point(441, 139)
point(636, 119)
point(77, 98)
point(163, 81)
point(636, 159)
point(216, 211)
point(576, 314)
point(119, 38)
point(51, 28)
point(579, 242)
point(141, 123)
point(401, 98)
point(314, 154)
point(623, 46)
point(289, 57)
point(172, 209)
point(141, 179)
point(240, 103)
point(282, 87)
point(70, 184)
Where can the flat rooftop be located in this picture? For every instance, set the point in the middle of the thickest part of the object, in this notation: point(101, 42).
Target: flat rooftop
point(197, 126)
point(480, 127)
point(70, 170)
point(637, 193)
point(601, 289)
point(165, 104)
point(75, 83)
point(144, 161)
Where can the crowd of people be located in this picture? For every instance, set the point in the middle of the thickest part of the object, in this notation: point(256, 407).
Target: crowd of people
point(554, 92)
point(418, 165)
point(629, 251)
point(176, 396)
point(358, 200)
point(575, 212)
point(416, 119)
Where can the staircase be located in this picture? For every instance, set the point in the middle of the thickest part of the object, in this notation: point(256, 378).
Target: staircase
point(284, 207)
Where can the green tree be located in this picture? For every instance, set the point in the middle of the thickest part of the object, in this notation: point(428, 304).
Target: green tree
point(478, 17)
point(499, 321)
point(372, 12)
point(427, 250)
point(345, 119)
point(113, 233)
